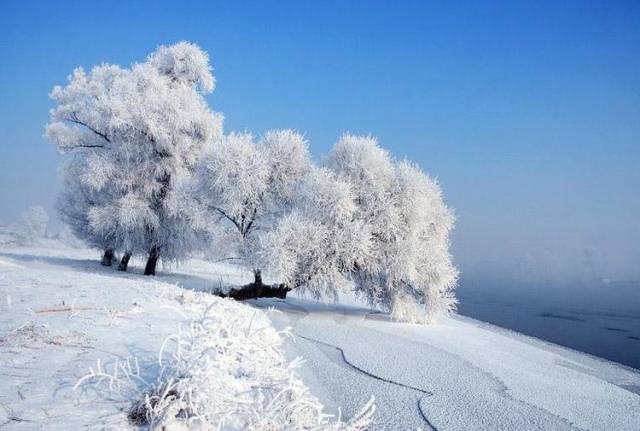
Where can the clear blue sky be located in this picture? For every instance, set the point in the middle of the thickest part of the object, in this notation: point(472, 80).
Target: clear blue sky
point(527, 112)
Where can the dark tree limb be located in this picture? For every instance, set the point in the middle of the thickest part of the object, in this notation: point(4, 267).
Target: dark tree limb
point(74, 119)
point(253, 219)
point(231, 219)
point(85, 146)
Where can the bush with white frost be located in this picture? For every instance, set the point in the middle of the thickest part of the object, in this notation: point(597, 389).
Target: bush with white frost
point(314, 247)
point(226, 371)
point(364, 221)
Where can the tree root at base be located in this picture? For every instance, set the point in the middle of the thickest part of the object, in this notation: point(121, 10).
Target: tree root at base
point(255, 290)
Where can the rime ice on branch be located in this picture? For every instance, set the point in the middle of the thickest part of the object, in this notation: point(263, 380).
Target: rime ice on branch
point(368, 222)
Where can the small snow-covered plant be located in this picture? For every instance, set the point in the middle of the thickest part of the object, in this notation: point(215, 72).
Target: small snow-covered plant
point(123, 374)
point(135, 133)
point(231, 374)
point(35, 220)
point(408, 271)
point(223, 370)
point(244, 187)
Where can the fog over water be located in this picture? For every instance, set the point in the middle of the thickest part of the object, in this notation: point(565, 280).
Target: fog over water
point(579, 305)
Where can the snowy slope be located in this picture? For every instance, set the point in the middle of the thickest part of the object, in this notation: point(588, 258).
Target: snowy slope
point(59, 316)
point(61, 313)
point(461, 374)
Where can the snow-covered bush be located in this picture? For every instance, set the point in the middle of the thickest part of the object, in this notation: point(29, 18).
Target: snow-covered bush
point(34, 221)
point(408, 270)
point(244, 187)
point(225, 371)
point(66, 236)
point(135, 134)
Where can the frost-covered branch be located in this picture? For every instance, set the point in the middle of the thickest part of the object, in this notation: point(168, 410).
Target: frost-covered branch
point(74, 119)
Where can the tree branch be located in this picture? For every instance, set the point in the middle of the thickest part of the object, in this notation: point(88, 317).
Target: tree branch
point(74, 119)
point(87, 146)
point(225, 259)
point(253, 218)
point(227, 217)
point(221, 212)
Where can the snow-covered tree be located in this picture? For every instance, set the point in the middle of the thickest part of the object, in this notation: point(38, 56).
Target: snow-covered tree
point(35, 220)
point(314, 247)
point(364, 221)
point(409, 269)
point(244, 187)
point(139, 131)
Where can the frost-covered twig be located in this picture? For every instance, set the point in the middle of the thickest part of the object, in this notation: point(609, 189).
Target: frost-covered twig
point(123, 372)
point(72, 310)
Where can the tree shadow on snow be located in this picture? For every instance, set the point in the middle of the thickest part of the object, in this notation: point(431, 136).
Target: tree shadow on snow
point(92, 266)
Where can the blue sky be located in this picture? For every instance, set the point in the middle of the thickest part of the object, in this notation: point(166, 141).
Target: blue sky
point(527, 112)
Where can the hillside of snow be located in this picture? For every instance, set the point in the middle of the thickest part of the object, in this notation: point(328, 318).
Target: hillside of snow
point(86, 347)
point(461, 374)
point(62, 314)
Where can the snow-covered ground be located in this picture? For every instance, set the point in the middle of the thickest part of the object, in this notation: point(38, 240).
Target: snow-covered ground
point(62, 314)
point(61, 311)
point(462, 374)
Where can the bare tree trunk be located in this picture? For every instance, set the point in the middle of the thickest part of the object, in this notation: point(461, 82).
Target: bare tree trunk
point(107, 257)
point(258, 289)
point(124, 262)
point(154, 252)
point(152, 261)
point(257, 277)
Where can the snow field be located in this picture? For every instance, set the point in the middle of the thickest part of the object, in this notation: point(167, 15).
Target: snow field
point(82, 346)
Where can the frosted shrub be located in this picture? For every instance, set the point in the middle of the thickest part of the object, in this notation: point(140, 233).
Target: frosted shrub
point(245, 186)
point(368, 222)
point(225, 371)
point(314, 247)
point(229, 373)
